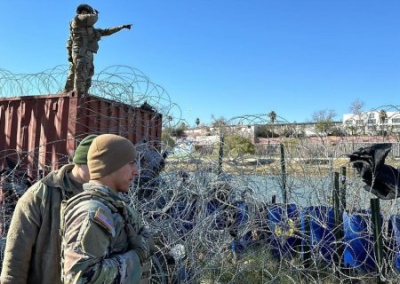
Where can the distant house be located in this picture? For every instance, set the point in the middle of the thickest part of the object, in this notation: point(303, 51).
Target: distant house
point(370, 122)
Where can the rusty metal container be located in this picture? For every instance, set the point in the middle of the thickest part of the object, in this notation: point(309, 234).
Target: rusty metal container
point(41, 132)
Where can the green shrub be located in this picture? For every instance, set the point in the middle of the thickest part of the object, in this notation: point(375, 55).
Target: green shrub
point(236, 146)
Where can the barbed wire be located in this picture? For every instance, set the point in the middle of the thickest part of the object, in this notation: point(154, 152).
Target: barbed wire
point(221, 214)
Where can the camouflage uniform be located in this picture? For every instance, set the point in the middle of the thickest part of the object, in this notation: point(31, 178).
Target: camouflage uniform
point(32, 253)
point(95, 242)
point(81, 45)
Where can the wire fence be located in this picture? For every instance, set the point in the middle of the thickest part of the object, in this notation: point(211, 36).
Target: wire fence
point(227, 216)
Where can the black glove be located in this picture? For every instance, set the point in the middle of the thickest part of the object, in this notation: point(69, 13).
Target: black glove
point(127, 26)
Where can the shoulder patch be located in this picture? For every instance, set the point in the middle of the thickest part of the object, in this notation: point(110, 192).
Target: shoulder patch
point(102, 219)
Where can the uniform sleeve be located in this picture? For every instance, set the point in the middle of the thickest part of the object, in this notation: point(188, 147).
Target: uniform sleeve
point(110, 31)
point(21, 238)
point(86, 245)
point(87, 20)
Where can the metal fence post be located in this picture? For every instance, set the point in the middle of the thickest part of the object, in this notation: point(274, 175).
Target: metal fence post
point(307, 256)
point(378, 244)
point(283, 168)
point(343, 189)
point(338, 215)
point(221, 153)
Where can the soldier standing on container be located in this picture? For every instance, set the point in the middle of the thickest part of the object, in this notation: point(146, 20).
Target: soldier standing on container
point(81, 45)
point(33, 245)
point(103, 239)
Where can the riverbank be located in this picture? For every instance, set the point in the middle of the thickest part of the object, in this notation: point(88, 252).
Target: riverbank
point(269, 166)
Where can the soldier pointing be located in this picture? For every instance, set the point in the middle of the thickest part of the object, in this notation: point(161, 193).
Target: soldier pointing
point(82, 44)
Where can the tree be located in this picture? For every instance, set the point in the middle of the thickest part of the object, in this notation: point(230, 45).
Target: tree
point(382, 116)
point(356, 108)
point(382, 119)
point(167, 140)
point(183, 126)
point(237, 146)
point(324, 120)
point(219, 122)
point(265, 131)
point(272, 116)
point(337, 131)
point(197, 121)
point(178, 131)
point(169, 118)
point(353, 129)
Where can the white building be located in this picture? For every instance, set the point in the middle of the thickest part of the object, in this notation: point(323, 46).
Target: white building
point(370, 122)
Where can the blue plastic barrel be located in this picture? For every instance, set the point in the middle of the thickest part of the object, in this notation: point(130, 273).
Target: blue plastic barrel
point(283, 222)
point(183, 214)
point(242, 216)
point(242, 239)
point(394, 241)
point(359, 241)
point(216, 211)
point(320, 239)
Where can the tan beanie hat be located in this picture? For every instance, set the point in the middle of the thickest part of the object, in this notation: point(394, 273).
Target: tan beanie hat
point(108, 153)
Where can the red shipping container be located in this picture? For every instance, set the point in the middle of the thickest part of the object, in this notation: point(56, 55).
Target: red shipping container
point(41, 132)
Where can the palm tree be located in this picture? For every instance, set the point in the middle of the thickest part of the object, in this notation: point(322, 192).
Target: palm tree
point(197, 121)
point(169, 118)
point(382, 118)
point(272, 118)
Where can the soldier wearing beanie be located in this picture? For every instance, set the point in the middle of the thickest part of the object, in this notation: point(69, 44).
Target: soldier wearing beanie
point(114, 245)
point(32, 253)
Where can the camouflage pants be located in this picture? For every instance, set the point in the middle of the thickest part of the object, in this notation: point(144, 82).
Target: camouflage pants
point(80, 73)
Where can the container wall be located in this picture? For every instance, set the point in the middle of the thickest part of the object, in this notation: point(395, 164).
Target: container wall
point(41, 132)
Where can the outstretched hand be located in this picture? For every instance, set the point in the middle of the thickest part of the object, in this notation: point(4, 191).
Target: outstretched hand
point(127, 26)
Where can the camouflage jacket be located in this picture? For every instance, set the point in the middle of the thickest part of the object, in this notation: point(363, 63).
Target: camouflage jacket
point(94, 240)
point(32, 253)
point(84, 37)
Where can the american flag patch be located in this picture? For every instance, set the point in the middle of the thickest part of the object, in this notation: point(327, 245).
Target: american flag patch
point(101, 218)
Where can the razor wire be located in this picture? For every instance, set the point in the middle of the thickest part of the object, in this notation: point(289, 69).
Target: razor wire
point(214, 227)
point(231, 232)
point(117, 83)
point(221, 215)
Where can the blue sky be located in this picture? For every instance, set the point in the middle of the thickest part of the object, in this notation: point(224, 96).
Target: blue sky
point(229, 57)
